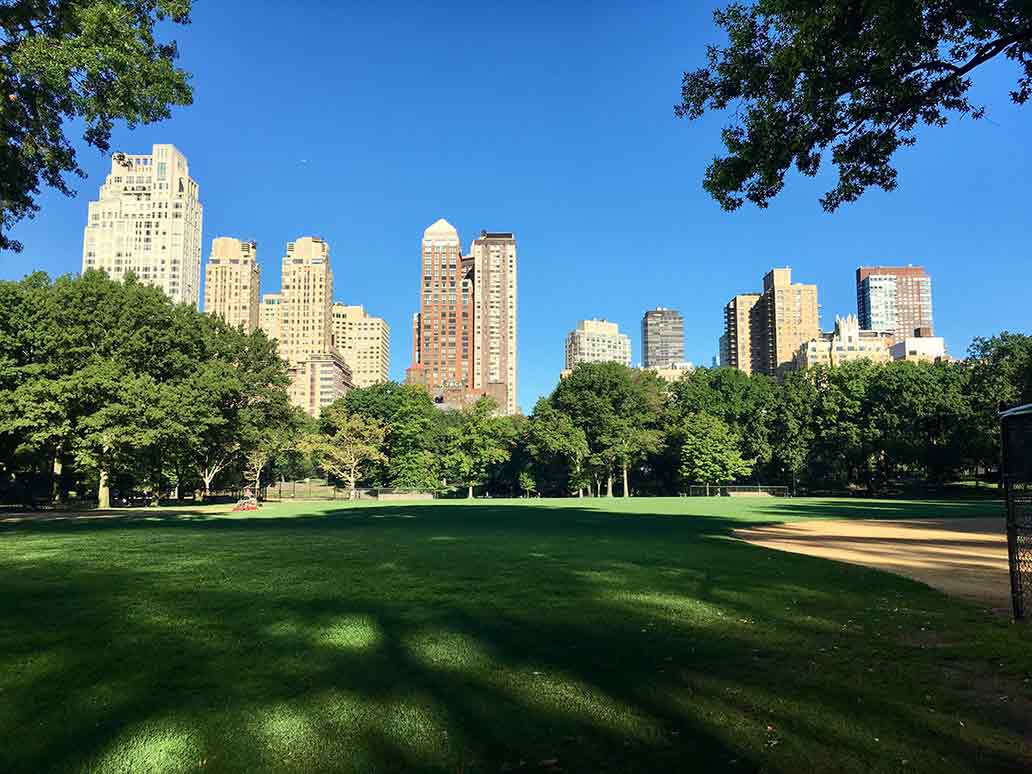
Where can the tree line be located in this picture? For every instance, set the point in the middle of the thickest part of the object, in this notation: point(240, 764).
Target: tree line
point(108, 387)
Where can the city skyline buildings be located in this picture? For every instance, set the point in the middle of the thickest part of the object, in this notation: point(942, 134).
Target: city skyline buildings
point(897, 299)
point(147, 220)
point(464, 334)
point(596, 341)
point(662, 338)
point(232, 283)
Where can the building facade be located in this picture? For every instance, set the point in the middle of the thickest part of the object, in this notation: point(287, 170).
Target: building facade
point(922, 347)
point(232, 280)
point(793, 316)
point(597, 341)
point(662, 338)
point(764, 331)
point(364, 342)
point(494, 317)
point(300, 318)
point(269, 315)
point(464, 335)
point(894, 298)
point(442, 330)
point(848, 342)
point(147, 221)
point(742, 349)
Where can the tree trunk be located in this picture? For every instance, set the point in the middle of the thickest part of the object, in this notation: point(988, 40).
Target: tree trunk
point(469, 494)
point(609, 485)
point(626, 484)
point(103, 491)
point(55, 490)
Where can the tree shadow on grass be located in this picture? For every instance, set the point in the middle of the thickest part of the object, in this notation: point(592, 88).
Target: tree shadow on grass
point(369, 643)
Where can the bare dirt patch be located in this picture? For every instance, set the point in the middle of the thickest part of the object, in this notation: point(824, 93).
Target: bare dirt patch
point(963, 557)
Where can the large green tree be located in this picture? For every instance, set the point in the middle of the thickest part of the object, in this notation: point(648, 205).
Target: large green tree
point(479, 440)
point(92, 62)
point(854, 81)
point(709, 451)
point(350, 442)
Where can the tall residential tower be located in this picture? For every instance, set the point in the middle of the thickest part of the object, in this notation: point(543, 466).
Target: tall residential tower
point(897, 299)
point(231, 282)
point(147, 221)
point(662, 338)
point(364, 342)
point(464, 336)
point(302, 313)
point(597, 341)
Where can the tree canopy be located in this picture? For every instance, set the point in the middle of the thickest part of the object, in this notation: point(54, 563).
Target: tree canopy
point(851, 80)
point(90, 61)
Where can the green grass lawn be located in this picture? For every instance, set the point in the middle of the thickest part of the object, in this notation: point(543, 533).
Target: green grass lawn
point(586, 636)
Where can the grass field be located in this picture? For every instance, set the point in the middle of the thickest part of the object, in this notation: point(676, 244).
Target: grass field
point(582, 636)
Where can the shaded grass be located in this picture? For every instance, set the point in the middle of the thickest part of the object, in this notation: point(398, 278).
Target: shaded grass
point(610, 635)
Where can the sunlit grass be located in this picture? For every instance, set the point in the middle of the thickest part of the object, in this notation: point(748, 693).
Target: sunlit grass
point(491, 636)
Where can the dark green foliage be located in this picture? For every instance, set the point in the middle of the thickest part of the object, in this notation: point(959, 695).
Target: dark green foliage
point(851, 80)
point(115, 381)
point(89, 61)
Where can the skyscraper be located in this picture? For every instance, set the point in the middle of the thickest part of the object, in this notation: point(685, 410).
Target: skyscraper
point(764, 331)
point(364, 342)
point(464, 336)
point(597, 341)
point(442, 331)
point(662, 337)
point(897, 299)
point(231, 282)
point(743, 349)
point(494, 317)
point(318, 374)
point(147, 221)
point(792, 317)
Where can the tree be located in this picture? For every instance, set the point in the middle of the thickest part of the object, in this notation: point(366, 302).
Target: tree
point(558, 448)
point(709, 451)
point(855, 78)
point(480, 440)
point(90, 61)
point(353, 441)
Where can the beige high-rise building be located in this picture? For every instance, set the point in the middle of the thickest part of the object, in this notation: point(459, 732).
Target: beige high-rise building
point(793, 317)
point(147, 221)
point(597, 341)
point(269, 315)
point(231, 282)
point(765, 331)
point(364, 342)
point(494, 317)
point(741, 349)
point(319, 375)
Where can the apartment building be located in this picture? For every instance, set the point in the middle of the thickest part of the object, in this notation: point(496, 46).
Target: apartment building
point(894, 298)
point(662, 337)
point(231, 283)
point(848, 342)
point(147, 221)
point(597, 341)
point(364, 342)
point(494, 317)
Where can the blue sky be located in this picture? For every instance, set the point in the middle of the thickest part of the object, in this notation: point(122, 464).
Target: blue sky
point(365, 124)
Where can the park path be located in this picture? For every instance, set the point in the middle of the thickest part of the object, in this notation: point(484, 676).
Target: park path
point(963, 557)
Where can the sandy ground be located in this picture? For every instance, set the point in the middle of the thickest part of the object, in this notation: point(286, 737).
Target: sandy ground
point(963, 557)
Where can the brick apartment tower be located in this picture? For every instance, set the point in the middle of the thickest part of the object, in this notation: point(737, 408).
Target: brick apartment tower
point(231, 283)
point(897, 299)
point(442, 331)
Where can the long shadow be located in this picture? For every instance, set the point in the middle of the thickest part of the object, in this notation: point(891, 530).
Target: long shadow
point(443, 638)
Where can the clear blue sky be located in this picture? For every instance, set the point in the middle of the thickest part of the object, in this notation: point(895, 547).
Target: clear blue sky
point(364, 125)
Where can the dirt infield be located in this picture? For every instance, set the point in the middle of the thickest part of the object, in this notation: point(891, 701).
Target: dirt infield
point(963, 557)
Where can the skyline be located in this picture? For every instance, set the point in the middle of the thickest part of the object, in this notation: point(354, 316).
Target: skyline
point(585, 164)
